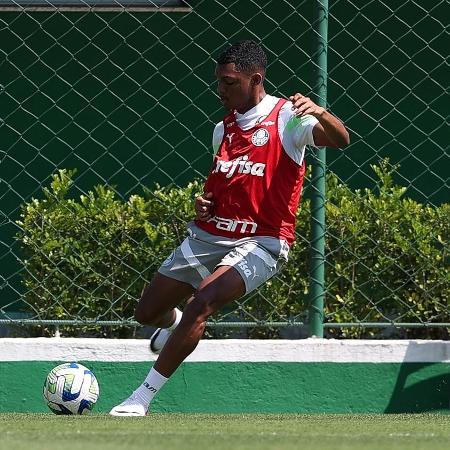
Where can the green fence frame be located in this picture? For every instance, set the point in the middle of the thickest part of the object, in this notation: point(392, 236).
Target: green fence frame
point(315, 321)
point(318, 222)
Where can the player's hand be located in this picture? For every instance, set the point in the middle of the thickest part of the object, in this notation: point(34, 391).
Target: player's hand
point(304, 105)
point(204, 206)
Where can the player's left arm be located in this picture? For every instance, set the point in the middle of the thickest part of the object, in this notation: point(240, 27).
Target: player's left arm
point(329, 131)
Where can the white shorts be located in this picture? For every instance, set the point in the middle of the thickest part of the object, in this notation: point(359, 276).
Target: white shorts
point(256, 258)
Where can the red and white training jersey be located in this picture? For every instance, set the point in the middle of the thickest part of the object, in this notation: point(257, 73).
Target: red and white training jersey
point(258, 171)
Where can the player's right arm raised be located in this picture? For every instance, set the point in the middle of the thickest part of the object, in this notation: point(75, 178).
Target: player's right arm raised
point(330, 131)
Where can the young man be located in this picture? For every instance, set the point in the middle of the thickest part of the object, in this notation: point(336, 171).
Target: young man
point(244, 220)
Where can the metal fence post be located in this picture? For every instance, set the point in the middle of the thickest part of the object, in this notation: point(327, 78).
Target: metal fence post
point(317, 258)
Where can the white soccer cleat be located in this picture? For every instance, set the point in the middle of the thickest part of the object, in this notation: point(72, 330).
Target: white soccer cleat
point(130, 407)
point(159, 339)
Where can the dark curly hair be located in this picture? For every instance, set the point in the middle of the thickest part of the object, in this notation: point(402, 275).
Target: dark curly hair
point(247, 56)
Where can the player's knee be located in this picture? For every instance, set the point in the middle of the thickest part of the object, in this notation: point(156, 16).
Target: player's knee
point(145, 314)
point(140, 315)
point(200, 308)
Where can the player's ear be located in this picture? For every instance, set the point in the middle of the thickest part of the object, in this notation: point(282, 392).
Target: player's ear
point(256, 79)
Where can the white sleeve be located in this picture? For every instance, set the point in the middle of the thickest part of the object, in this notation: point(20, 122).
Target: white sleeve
point(295, 132)
point(217, 137)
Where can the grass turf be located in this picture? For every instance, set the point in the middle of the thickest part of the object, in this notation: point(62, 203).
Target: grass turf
point(225, 432)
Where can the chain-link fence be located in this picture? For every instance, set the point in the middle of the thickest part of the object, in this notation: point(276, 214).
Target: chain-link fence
point(124, 94)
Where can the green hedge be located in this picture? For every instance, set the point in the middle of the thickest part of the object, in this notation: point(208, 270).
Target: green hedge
point(387, 255)
point(387, 260)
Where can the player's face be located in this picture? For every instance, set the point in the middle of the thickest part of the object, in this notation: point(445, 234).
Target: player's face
point(234, 88)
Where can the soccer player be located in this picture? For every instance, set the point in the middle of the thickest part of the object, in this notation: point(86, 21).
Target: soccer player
point(245, 218)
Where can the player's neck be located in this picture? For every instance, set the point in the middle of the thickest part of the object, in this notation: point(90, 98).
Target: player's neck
point(253, 101)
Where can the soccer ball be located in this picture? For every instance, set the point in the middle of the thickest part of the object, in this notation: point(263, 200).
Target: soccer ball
point(70, 389)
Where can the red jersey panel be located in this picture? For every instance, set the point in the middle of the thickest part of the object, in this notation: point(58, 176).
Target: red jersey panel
point(256, 186)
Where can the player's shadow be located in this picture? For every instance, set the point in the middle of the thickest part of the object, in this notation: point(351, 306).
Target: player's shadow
point(415, 392)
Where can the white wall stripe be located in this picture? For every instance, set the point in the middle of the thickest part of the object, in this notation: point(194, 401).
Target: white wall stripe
point(230, 350)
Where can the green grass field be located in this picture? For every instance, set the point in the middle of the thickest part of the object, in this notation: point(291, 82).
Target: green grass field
point(233, 432)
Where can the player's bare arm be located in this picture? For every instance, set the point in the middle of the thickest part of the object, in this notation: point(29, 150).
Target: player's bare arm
point(203, 206)
point(330, 131)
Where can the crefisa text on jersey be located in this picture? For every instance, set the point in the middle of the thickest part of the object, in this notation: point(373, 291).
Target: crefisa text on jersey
point(240, 165)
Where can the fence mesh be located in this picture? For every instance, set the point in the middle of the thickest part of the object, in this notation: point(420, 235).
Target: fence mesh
point(124, 94)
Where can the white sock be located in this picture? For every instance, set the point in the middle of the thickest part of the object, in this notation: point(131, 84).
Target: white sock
point(178, 316)
point(150, 387)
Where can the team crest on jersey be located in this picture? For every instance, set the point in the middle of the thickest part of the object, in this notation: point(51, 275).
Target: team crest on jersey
point(260, 137)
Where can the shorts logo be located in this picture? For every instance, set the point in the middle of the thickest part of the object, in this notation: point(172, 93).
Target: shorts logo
point(244, 266)
point(168, 261)
point(260, 137)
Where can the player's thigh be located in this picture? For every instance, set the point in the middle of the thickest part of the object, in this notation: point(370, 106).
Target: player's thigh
point(254, 263)
point(240, 271)
point(222, 287)
point(161, 296)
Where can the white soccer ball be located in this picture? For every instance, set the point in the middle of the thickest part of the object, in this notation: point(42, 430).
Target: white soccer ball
point(70, 389)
